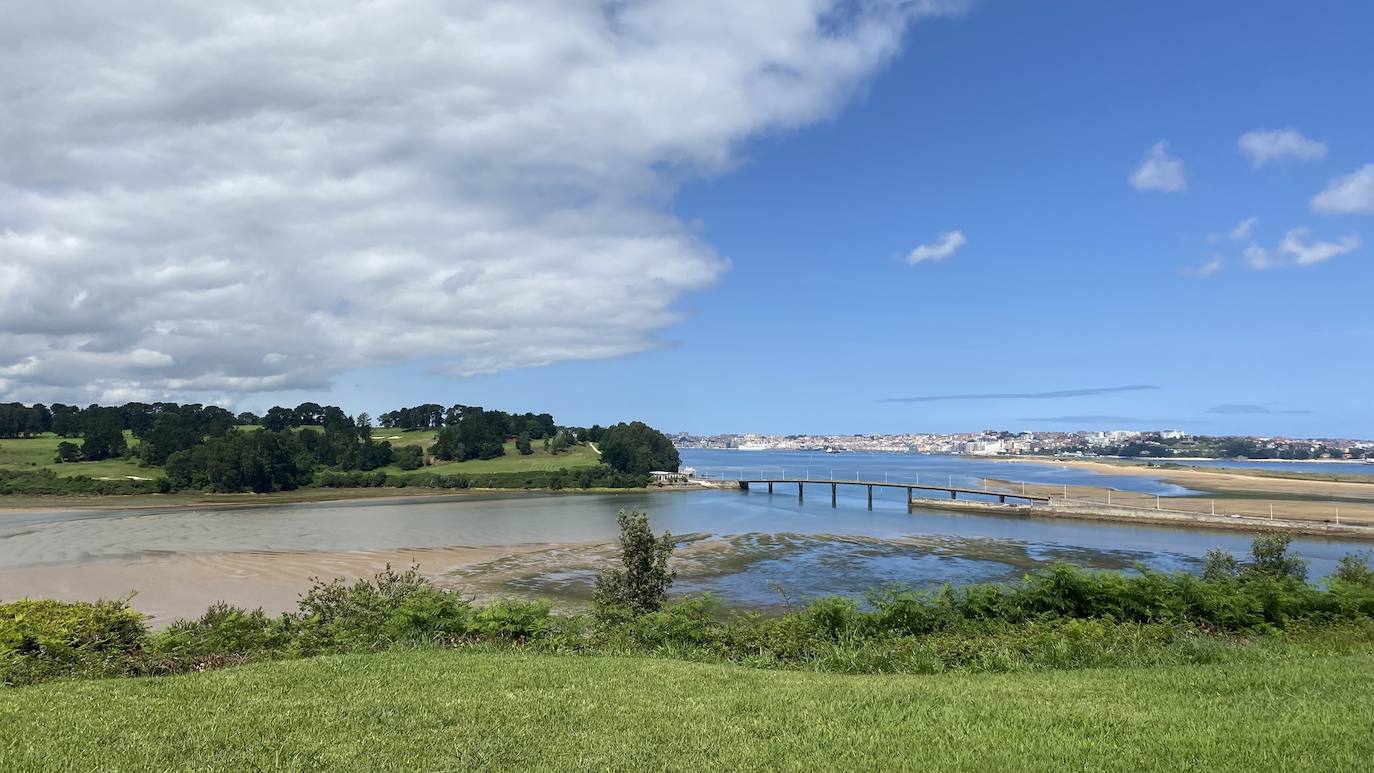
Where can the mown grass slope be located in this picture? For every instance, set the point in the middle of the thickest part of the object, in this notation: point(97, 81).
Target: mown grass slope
point(447, 710)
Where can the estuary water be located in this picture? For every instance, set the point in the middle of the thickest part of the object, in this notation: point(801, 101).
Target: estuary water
point(751, 548)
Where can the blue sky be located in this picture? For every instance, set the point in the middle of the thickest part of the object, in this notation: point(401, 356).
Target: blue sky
point(1019, 126)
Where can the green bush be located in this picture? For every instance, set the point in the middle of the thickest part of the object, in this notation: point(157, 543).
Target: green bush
point(44, 639)
point(1060, 617)
point(512, 620)
point(47, 483)
point(223, 629)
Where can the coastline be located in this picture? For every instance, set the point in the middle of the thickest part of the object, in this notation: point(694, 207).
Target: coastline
point(21, 504)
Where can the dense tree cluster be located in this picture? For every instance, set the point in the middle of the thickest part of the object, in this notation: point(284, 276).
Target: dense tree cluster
point(18, 420)
point(638, 449)
point(202, 448)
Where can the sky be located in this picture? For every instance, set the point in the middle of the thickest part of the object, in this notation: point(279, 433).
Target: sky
point(783, 216)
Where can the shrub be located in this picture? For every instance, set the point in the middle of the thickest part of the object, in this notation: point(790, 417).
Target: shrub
point(223, 629)
point(47, 639)
point(391, 608)
point(512, 620)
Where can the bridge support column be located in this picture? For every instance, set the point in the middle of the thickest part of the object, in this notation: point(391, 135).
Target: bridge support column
point(832, 494)
point(801, 491)
point(1002, 498)
point(870, 497)
point(770, 487)
point(953, 494)
point(744, 485)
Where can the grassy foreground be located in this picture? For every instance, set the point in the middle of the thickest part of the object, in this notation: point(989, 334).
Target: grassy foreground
point(450, 710)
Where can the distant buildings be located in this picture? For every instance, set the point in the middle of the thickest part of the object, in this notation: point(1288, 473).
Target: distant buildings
point(1152, 444)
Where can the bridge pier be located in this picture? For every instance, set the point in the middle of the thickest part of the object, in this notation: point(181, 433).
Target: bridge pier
point(770, 487)
point(744, 485)
point(1002, 498)
point(953, 494)
point(833, 487)
point(870, 497)
point(801, 491)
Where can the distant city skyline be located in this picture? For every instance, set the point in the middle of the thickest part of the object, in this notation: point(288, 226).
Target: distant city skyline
point(821, 217)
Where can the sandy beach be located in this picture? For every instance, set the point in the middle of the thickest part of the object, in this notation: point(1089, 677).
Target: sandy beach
point(172, 585)
point(1226, 492)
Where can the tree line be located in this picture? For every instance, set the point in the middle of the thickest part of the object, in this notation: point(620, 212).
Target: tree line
point(201, 446)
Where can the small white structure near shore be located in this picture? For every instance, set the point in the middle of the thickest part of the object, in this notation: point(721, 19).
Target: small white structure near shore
point(664, 478)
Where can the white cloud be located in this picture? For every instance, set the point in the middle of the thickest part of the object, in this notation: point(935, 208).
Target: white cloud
point(1264, 145)
point(1298, 249)
point(1211, 268)
point(1244, 229)
point(944, 246)
point(212, 198)
point(1351, 193)
point(1304, 252)
point(1159, 171)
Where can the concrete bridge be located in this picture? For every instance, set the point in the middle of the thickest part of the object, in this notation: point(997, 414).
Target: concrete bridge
point(911, 488)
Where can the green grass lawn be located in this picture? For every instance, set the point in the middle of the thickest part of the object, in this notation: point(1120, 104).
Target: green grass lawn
point(576, 456)
point(39, 452)
point(451, 710)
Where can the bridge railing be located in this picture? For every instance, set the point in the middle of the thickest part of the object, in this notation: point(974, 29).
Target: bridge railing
point(862, 476)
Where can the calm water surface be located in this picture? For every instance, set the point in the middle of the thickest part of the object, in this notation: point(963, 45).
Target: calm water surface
point(805, 548)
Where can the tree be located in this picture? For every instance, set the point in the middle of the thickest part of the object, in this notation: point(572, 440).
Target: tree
point(1219, 564)
point(638, 449)
point(1270, 552)
point(640, 584)
point(408, 457)
point(103, 430)
point(522, 444)
point(1354, 568)
point(278, 419)
point(477, 434)
point(67, 451)
point(171, 432)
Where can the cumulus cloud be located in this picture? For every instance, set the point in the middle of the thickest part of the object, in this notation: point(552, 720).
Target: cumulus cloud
point(1264, 145)
point(207, 199)
point(944, 246)
point(1349, 194)
point(1299, 249)
point(1159, 171)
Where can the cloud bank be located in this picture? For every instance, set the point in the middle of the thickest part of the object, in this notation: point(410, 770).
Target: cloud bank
point(207, 199)
point(1087, 392)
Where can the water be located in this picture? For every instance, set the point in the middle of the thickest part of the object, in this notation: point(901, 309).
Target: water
point(775, 545)
point(1330, 468)
point(963, 471)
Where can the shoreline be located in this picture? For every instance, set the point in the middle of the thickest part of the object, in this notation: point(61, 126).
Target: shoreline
point(60, 502)
point(1184, 520)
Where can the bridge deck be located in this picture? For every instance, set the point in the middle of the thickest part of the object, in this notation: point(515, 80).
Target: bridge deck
point(951, 490)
